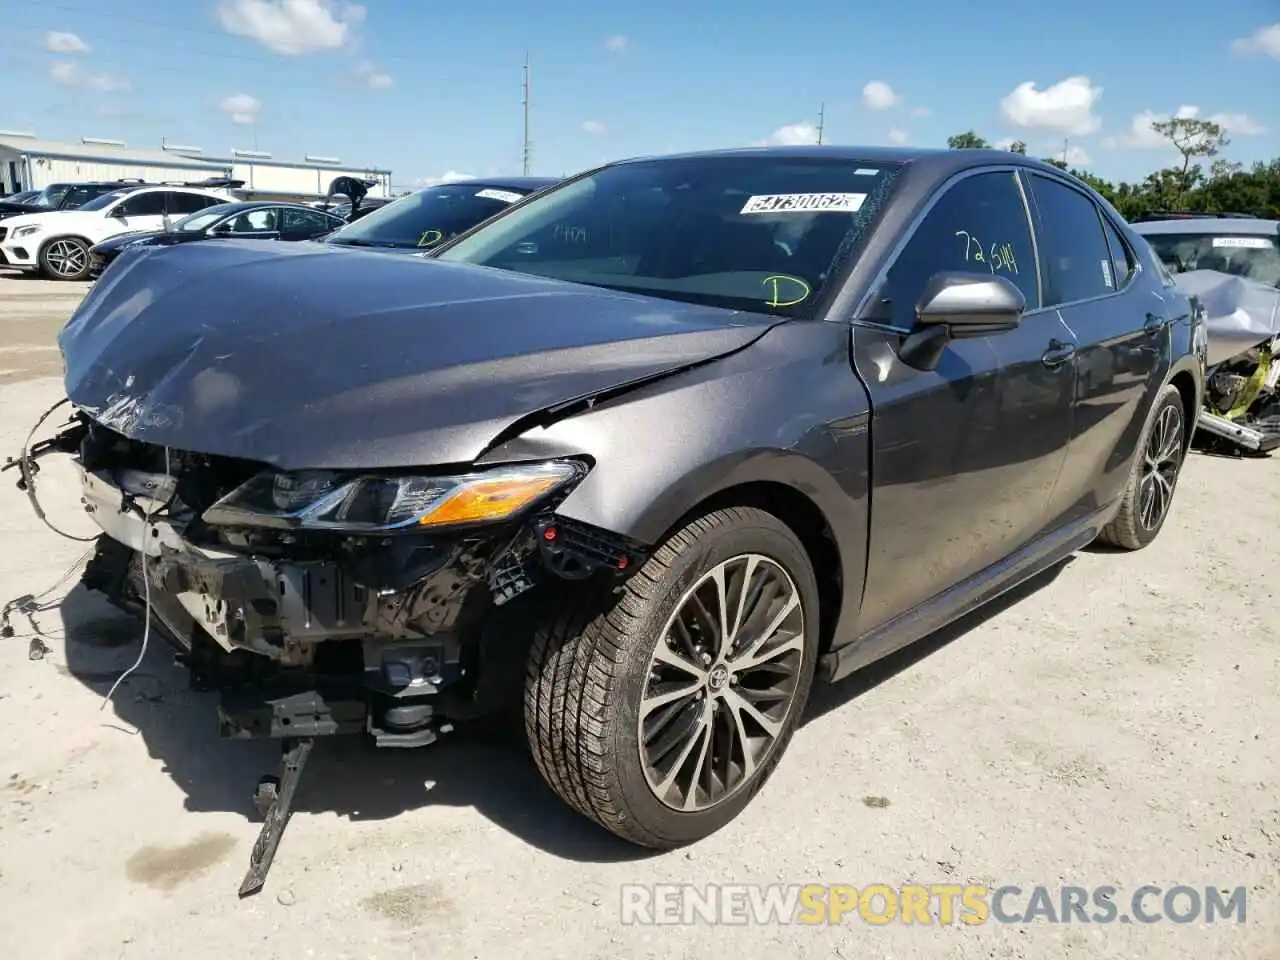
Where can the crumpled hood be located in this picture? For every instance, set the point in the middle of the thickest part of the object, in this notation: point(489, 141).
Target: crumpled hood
point(305, 357)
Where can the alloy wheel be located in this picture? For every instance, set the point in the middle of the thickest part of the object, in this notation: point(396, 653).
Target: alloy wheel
point(1161, 460)
point(66, 258)
point(721, 682)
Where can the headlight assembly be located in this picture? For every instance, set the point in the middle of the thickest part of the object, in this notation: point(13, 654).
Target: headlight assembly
point(321, 500)
point(27, 230)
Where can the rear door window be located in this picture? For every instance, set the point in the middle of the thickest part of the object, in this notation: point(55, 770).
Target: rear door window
point(1073, 246)
point(1123, 261)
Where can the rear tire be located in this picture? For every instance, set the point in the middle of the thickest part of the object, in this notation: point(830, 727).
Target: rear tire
point(1157, 465)
point(654, 648)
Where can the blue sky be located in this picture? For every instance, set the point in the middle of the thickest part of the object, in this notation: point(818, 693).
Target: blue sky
point(430, 89)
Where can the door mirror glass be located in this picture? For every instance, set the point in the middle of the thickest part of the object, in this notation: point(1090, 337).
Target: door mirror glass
point(970, 304)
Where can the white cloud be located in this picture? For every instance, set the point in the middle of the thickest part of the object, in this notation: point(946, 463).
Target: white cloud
point(793, 134)
point(108, 83)
point(1066, 106)
point(1264, 40)
point(373, 77)
point(921, 112)
point(897, 137)
point(67, 74)
point(64, 74)
point(241, 108)
point(56, 41)
point(291, 27)
point(595, 128)
point(878, 95)
point(616, 43)
point(1238, 124)
point(1141, 134)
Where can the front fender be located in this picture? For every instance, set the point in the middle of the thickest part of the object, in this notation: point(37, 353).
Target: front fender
point(788, 410)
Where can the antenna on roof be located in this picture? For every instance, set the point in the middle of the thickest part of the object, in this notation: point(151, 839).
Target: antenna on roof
point(822, 113)
point(524, 148)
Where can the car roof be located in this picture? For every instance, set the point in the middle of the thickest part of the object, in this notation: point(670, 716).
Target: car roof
point(503, 183)
point(927, 163)
point(239, 206)
point(1206, 225)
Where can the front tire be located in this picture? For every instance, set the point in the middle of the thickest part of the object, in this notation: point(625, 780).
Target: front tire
point(1149, 492)
point(660, 708)
point(65, 258)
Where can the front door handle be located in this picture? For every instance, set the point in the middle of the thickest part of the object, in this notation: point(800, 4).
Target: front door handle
point(1059, 352)
point(1154, 323)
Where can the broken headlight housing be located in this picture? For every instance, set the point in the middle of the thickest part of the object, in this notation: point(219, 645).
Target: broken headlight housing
point(325, 500)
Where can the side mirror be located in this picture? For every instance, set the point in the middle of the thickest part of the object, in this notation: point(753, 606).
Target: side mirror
point(119, 212)
point(960, 306)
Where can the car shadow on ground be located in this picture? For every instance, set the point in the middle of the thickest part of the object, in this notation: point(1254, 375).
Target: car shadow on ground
point(485, 765)
point(828, 697)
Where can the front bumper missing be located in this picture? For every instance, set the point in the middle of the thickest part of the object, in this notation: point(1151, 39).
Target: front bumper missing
point(299, 647)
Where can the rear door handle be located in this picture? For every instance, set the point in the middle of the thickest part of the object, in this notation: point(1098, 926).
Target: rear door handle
point(1059, 352)
point(1154, 323)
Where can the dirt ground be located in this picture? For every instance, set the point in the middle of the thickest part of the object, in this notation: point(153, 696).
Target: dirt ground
point(1115, 723)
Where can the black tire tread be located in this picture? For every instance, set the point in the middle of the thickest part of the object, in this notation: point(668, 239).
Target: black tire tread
point(573, 664)
point(1122, 531)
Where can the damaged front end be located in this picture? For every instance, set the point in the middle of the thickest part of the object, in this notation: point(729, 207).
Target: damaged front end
point(320, 603)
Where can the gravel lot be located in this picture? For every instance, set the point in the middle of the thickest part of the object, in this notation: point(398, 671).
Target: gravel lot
point(1114, 724)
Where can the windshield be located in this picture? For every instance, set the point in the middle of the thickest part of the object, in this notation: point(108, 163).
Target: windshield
point(105, 200)
point(205, 218)
point(1254, 257)
point(749, 233)
point(51, 195)
point(427, 218)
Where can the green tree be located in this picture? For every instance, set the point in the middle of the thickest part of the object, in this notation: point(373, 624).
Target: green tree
point(967, 141)
point(1018, 147)
point(1192, 138)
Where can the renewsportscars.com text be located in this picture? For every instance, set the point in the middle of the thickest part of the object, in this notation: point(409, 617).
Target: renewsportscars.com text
point(939, 904)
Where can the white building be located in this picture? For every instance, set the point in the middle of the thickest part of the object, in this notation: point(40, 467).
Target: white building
point(28, 163)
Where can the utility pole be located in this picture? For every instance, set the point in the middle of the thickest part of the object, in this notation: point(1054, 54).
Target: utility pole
point(524, 148)
point(1066, 143)
point(822, 112)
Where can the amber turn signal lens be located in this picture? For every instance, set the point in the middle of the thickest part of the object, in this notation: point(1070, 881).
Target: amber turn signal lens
point(489, 500)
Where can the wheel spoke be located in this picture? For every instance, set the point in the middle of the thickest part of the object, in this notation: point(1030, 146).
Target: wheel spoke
point(749, 656)
point(741, 705)
point(721, 682)
point(742, 606)
point(699, 733)
point(664, 655)
point(656, 700)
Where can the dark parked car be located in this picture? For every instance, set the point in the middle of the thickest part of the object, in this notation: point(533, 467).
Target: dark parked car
point(429, 217)
point(249, 220)
point(59, 196)
point(1241, 246)
point(651, 451)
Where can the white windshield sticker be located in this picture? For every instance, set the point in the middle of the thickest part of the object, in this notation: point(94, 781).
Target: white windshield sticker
point(1106, 275)
point(506, 196)
point(865, 172)
point(805, 203)
point(1251, 243)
